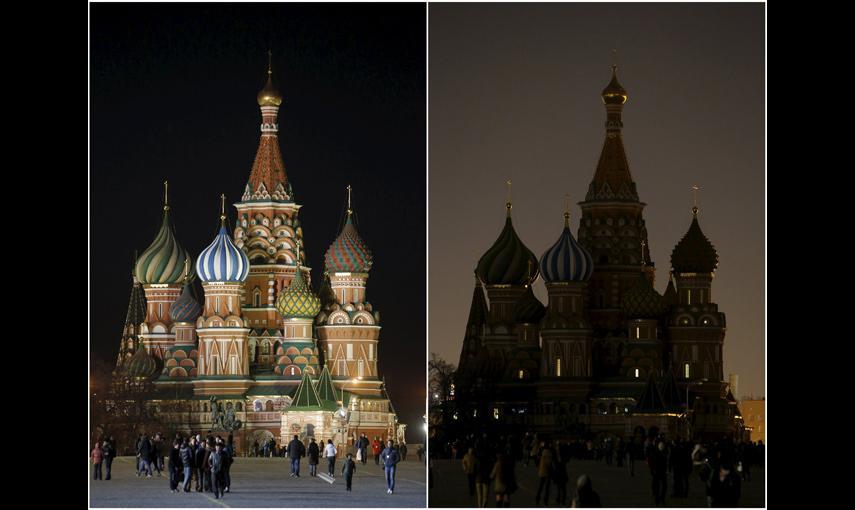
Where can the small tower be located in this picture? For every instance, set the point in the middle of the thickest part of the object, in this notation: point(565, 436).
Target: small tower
point(160, 270)
point(132, 328)
point(298, 306)
point(223, 333)
point(566, 268)
point(180, 360)
point(642, 306)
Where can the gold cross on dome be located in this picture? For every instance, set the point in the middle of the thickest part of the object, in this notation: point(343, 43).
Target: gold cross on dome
point(695, 190)
point(165, 195)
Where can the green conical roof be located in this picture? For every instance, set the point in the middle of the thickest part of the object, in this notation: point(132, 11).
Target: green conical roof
point(650, 400)
point(325, 388)
point(642, 301)
point(306, 398)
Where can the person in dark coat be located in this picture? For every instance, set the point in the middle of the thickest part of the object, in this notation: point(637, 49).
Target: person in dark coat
point(228, 460)
point(145, 453)
point(215, 462)
point(725, 487)
point(109, 448)
point(314, 456)
point(157, 454)
point(296, 451)
point(659, 470)
point(186, 453)
point(390, 457)
point(347, 469)
point(504, 480)
point(403, 450)
point(206, 464)
point(559, 475)
point(362, 444)
point(175, 466)
point(199, 465)
point(586, 497)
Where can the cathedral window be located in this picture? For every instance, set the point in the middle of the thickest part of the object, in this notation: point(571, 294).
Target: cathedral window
point(637, 336)
point(257, 298)
point(349, 351)
point(558, 367)
point(686, 370)
point(370, 352)
point(636, 373)
point(688, 297)
point(360, 368)
point(496, 413)
point(521, 374)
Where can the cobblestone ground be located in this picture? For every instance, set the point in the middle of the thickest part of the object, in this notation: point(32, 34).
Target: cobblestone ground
point(265, 483)
point(614, 485)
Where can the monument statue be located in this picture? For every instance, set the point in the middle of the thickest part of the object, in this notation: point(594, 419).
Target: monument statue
point(221, 420)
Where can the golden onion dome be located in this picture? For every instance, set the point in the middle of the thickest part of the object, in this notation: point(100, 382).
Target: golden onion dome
point(614, 93)
point(269, 96)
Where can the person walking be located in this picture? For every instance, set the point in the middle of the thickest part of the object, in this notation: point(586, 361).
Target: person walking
point(157, 454)
point(186, 454)
point(544, 471)
point(97, 459)
point(175, 466)
point(504, 480)
point(363, 445)
point(403, 450)
point(631, 455)
point(296, 451)
point(228, 460)
point(145, 454)
point(390, 457)
point(137, 447)
point(725, 487)
point(330, 452)
point(483, 470)
point(559, 475)
point(314, 454)
point(659, 470)
point(215, 462)
point(376, 448)
point(206, 464)
point(470, 464)
point(347, 469)
point(585, 497)
point(109, 450)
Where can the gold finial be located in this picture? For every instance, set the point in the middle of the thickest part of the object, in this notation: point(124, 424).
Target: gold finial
point(186, 269)
point(509, 204)
point(695, 190)
point(614, 59)
point(269, 62)
point(165, 195)
point(528, 273)
point(223, 209)
point(299, 243)
point(349, 209)
point(643, 244)
point(567, 210)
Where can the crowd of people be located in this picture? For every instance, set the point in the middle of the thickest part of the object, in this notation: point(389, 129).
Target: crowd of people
point(720, 466)
point(208, 460)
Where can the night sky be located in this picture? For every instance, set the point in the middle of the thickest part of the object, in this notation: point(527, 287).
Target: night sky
point(173, 96)
point(515, 94)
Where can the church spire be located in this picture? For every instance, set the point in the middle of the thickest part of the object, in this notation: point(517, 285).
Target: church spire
point(612, 180)
point(267, 181)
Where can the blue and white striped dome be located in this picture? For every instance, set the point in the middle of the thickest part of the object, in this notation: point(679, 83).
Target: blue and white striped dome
point(567, 260)
point(222, 261)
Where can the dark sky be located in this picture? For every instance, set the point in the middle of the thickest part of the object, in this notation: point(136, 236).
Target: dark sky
point(173, 95)
point(515, 94)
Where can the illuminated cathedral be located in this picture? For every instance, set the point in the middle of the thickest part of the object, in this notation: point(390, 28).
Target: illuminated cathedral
point(261, 343)
point(607, 353)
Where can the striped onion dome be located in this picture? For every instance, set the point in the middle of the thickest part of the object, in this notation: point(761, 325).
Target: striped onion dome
point(508, 261)
point(222, 261)
point(642, 301)
point(298, 301)
point(566, 260)
point(163, 260)
point(348, 253)
point(529, 310)
point(694, 253)
point(142, 365)
point(185, 308)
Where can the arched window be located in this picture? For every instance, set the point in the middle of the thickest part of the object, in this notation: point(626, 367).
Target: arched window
point(257, 406)
point(558, 367)
point(268, 406)
point(613, 408)
point(257, 298)
point(636, 373)
point(686, 370)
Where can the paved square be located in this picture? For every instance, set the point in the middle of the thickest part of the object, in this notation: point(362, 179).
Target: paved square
point(266, 483)
point(614, 485)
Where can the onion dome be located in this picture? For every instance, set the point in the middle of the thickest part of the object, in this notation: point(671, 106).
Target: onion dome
point(163, 260)
point(566, 260)
point(269, 95)
point(642, 301)
point(528, 310)
point(222, 261)
point(185, 308)
point(348, 253)
point(694, 253)
point(508, 261)
point(298, 301)
point(142, 365)
point(614, 93)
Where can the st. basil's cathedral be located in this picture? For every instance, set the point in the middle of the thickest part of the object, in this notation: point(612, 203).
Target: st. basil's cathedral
point(267, 349)
point(607, 354)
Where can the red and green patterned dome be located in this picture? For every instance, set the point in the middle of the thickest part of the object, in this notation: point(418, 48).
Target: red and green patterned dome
point(348, 253)
point(142, 366)
point(642, 301)
point(298, 301)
